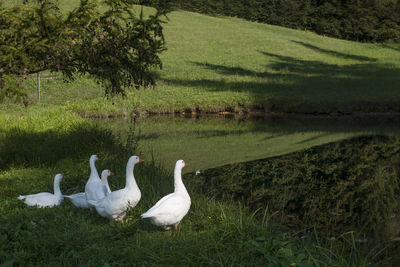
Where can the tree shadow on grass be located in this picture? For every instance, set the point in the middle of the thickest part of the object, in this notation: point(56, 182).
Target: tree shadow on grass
point(335, 53)
point(392, 47)
point(39, 149)
point(239, 71)
point(367, 86)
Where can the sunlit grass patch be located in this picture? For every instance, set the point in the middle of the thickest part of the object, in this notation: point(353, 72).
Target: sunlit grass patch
point(227, 64)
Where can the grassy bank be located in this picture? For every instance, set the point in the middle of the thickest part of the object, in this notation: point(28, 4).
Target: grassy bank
point(226, 64)
point(35, 147)
point(347, 186)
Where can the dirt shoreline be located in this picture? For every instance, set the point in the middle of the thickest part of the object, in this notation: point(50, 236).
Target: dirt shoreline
point(241, 113)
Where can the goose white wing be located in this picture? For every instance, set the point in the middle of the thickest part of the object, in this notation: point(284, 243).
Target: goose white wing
point(95, 190)
point(112, 206)
point(151, 210)
point(43, 200)
point(38, 195)
point(171, 208)
point(76, 196)
point(79, 200)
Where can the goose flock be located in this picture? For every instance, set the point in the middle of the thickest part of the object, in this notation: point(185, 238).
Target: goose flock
point(166, 213)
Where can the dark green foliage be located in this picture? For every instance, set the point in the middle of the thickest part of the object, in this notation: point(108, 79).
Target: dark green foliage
point(115, 46)
point(367, 21)
point(352, 185)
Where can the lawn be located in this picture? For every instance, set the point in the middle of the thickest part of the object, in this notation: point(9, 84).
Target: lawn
point(227, 64)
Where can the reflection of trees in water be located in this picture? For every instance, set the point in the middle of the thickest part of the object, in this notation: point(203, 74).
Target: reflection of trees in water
point(209, 126)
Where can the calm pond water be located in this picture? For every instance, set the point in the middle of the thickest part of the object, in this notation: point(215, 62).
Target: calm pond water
point(211, 141)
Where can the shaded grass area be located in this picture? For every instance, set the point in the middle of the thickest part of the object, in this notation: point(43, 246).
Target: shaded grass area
point(303, 86)
point(218, 64)
point(346, 186)
point(34, 147)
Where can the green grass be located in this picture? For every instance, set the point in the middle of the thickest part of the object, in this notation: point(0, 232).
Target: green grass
point(213, 64)
point(35, 147)
point(227, 64)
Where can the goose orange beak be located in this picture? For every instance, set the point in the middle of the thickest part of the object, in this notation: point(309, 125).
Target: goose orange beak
point(140, 160)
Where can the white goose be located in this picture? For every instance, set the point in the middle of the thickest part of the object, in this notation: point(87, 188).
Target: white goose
point(94, 188)
point(104, 179)
point(46, 199)
point(114, 206)
point(79, 199)
point(171, 209)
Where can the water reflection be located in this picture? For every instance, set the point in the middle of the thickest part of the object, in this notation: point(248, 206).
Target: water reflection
point(211, 141)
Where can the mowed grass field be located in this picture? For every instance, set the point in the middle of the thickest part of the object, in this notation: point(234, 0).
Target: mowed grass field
point(227, 64)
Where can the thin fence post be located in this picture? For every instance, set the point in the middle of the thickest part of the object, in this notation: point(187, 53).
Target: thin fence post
point(38, 85)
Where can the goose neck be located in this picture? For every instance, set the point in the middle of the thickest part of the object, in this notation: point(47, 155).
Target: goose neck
point(93, 170)
point(178, 183)
point(57, 190)
point(105, 182)
point(130, 179)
